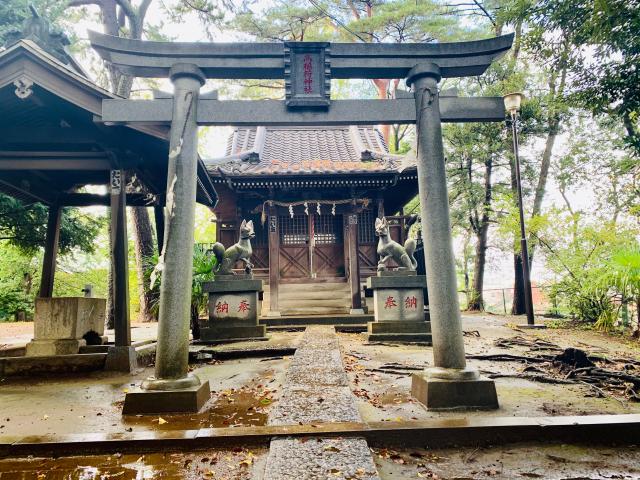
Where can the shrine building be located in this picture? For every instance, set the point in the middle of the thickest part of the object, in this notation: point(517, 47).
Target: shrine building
point(303, 187)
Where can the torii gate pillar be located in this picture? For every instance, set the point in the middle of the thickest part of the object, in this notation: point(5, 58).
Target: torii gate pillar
point(173, 388)
point(450, 384)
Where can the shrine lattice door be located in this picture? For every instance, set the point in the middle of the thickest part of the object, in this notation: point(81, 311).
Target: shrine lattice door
point(368, 243)
point(328, 247)
point(302, 258)
point(294, 246)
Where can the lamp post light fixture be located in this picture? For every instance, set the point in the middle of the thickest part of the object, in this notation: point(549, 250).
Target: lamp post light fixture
point(512, 102)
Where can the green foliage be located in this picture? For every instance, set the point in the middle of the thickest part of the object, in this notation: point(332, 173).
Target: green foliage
point(606, 47)
point(19, 281)
point(14, 12)
point(25, 226)
point(203, 266)
point(586, 259)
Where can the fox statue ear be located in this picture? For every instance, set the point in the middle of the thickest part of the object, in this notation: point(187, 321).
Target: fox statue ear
point(378, 222)
point(384, 221)
point(250, 224)
point(243, 224)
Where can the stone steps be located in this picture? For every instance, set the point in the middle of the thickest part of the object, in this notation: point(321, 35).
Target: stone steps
point(317, 298)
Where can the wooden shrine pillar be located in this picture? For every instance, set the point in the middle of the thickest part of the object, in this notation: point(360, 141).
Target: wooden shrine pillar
point(50, 251)
point(120, 259)
point(274, 262)
point(380, 207)
point(158, 214)
point(351, 237)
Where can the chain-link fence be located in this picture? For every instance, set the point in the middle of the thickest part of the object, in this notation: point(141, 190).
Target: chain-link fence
point(500, 300)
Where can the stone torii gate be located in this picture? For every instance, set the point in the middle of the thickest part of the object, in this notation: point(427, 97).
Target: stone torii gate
point(307, 69)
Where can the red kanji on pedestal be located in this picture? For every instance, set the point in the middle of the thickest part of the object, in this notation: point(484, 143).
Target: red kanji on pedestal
point(244, 306)
point(222, 307)
point(411, 302)
point(390, 302)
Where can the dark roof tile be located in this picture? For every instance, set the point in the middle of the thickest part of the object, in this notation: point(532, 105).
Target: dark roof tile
point(296, 150)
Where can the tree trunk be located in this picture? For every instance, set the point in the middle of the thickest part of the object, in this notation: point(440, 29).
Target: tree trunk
point(476, 302)
point(518, 306)
point(382, 85)
point(477, 298)
point(144, 250)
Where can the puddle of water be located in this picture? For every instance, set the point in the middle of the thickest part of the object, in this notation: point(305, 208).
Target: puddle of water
point(244, 406)
point(237, 464)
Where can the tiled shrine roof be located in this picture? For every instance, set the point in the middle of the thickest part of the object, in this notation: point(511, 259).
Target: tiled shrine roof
point(307, 150)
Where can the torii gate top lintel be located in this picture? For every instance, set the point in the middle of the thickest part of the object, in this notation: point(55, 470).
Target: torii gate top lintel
point(144, 58)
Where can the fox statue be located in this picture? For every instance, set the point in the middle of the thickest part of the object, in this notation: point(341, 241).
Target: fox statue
point(390, 249)
point(240, 251)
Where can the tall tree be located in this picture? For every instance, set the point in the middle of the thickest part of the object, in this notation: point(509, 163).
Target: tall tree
point(369, 21)
point(123, 18)
point(604, 37)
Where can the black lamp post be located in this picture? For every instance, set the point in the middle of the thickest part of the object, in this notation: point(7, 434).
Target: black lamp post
point(512, 103)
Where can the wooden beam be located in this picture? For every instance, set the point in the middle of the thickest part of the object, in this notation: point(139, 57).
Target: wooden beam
point(94, 199)
point(50, 251)
point(120, 259)
point(274, 261)
point(275, 112)
point(11, 160)
point(351, 227)
point(18, 135)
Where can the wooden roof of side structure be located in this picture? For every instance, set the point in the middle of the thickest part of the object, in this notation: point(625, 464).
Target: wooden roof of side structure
point(52, 141)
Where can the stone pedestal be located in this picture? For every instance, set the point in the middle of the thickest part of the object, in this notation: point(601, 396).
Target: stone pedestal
point(189, 399)
point(61, 322)
point(450, 389)
point(234, 309)
point(398, 307)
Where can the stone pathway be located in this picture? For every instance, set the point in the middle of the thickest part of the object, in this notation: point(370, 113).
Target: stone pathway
point(316, 390)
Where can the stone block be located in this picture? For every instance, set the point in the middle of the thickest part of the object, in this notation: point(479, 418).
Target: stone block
point(399, 327)
point(238, 307)
point(234, 310)
point(397, 281)
point(219, 333)
point(47, 348)
point(121, 359)
point(61, 322)
point(398, 304)
point(232, 283)
point(59, 318)
point(441, 394)
point(153, 402)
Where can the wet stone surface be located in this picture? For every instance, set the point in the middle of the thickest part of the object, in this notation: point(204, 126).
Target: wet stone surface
point(316, 390)
point(508, 462)
point(308, 404)
point(237, 464)
point(315, 458)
